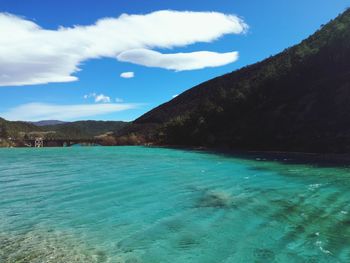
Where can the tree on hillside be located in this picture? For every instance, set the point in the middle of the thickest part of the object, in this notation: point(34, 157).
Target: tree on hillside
point(3, 132)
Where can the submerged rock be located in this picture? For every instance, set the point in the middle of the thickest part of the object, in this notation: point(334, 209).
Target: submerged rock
point(218, 199)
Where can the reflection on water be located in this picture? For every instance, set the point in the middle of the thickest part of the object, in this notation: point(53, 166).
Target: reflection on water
point(143, 205)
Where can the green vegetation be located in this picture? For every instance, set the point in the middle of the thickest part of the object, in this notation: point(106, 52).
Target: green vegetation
point(21, 131)
point(84, 129)
point(16, 129)
point(297, 100)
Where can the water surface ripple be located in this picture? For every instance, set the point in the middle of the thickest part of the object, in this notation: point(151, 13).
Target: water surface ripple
point(150, 205)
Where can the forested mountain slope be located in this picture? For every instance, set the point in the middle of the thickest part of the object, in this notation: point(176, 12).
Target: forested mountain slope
point(69, 130)
point(298, 100)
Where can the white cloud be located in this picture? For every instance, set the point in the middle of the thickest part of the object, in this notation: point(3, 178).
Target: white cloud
point(178, 61)
point(118, 100)
point(98, 97)
point(127, 75)
point(42, 111)
point(174, 96)
point(102, 98)
point(30, 54)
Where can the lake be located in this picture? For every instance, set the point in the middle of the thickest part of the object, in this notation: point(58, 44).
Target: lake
point(152, 205)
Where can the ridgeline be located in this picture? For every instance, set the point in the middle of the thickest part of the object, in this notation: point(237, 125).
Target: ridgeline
point(298, 100)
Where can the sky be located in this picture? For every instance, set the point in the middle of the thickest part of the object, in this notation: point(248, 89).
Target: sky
point(116, 59)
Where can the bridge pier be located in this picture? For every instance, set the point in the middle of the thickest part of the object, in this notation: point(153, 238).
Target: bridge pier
point(39, 143)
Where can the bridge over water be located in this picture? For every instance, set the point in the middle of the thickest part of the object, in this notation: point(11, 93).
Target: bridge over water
point(40, 142)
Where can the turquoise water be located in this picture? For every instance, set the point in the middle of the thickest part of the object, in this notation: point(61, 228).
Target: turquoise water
point(149, 205)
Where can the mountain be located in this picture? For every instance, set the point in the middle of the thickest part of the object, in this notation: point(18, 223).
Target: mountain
point(70, 130)
point(47, 122)
point(298, 100)
point(14, 128)
point(86, 129)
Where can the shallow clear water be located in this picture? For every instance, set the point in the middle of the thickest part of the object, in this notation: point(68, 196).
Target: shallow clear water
point(149, 205)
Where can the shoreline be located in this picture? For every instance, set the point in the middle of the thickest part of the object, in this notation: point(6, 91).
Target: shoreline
point(320, 159)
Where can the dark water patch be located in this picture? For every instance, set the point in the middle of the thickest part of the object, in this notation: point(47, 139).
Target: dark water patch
point(207, 197)
point(289, 158)
point(187, 241)
point(215, 199)
point(263, 255)
point(174, 225)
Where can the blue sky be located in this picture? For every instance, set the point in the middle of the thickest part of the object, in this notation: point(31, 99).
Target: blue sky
point(98, 91)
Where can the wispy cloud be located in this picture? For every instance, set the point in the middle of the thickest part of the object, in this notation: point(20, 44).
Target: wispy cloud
point(34, 55)
point(178, 61)
point(43, 111)
point(127, 75)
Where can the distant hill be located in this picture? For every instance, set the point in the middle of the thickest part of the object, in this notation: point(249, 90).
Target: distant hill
point(298, 100)
point(14, 128)
point(86, 129)
point(70, 130)
point(47, 122)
